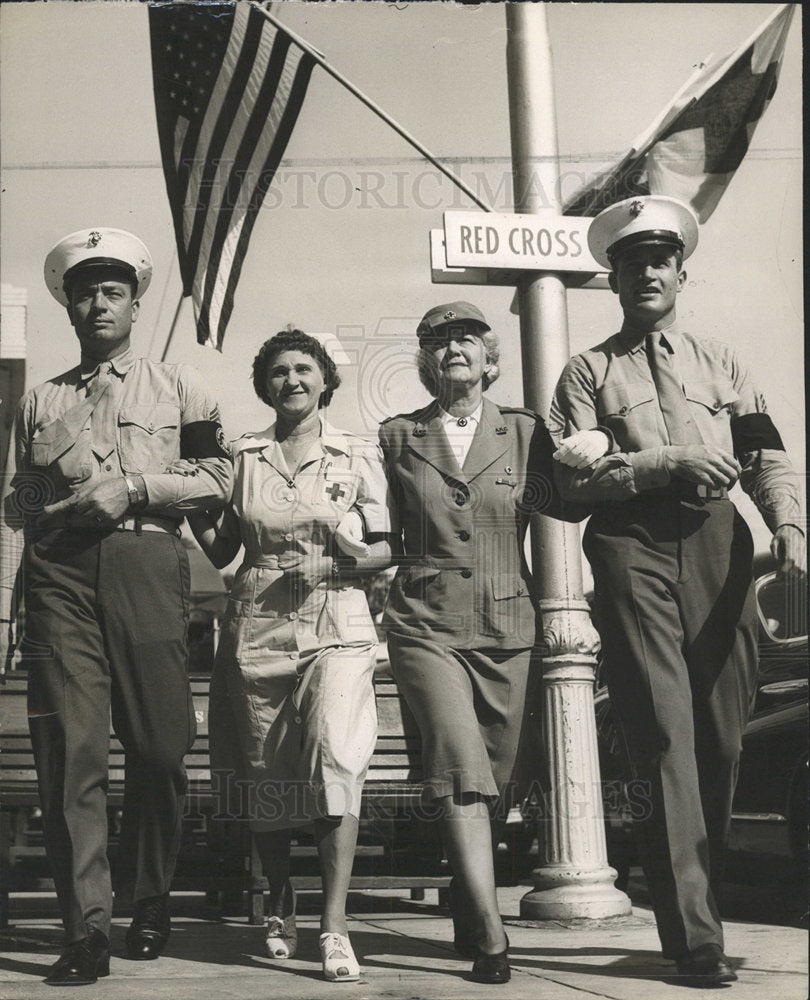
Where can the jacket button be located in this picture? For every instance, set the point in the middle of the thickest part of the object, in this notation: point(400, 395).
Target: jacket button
point(293, 616)
point(289, 537)
point(464, 536)
point(623, 410)
point(466, 573)
point(519, 591)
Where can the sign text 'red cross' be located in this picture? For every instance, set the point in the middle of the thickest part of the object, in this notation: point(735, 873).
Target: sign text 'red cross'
point(524, 242)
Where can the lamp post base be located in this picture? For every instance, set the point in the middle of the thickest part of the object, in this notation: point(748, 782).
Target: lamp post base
point(571, 893)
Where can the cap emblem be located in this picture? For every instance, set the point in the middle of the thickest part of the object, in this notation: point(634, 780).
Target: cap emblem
point(449, 314)
point(636, 207)
point(94, 239)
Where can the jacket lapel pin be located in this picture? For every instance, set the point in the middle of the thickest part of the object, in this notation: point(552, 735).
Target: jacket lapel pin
point(500, 430)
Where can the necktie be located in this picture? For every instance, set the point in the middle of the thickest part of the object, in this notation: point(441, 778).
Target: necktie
point(104, 417)
point(678, 420)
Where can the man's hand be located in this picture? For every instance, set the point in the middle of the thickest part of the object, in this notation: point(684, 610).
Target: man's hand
point(702, 463)
point(349, 535)
point(789, 549)
point(582, 449)
point(104, 501)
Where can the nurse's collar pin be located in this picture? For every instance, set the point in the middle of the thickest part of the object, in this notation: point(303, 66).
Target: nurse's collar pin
point(94, 239)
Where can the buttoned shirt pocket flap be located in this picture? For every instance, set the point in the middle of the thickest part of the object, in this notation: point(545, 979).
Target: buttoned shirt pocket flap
point(508, 585)
point(620, 400)
point(51, 441)
point(150, 436)
point(151, 418)
point(715, 394)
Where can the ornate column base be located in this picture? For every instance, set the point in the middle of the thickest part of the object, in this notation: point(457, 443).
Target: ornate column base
point(573, 893)
point(575, 880)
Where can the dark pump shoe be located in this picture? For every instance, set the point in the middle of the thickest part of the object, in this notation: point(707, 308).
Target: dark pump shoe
point(491, 968)
point(706, 966)
point(82, 962)
point(149, 930)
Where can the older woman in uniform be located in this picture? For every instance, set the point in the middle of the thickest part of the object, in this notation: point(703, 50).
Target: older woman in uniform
point(464, 475)
point(293, 719)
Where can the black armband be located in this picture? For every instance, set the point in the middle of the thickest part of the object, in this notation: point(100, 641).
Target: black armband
point(203, 439)
point(753, 432)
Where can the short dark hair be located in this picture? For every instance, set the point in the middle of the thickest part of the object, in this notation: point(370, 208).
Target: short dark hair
point(294, 340)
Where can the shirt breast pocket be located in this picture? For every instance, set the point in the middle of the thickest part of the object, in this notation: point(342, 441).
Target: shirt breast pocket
point(621, 406)
point(150, 436)
point(715, 395)
point(55, 446)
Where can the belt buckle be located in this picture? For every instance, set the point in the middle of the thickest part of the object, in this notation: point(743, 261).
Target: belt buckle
point(703, 492)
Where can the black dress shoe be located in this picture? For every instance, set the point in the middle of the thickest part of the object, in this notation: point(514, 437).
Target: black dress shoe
point(705, 966)
point(149, 930)
point(492, 968)
point(82, 962)
point(463, 931)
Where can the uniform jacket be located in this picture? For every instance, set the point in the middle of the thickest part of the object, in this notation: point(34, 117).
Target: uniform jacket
point(463, 578)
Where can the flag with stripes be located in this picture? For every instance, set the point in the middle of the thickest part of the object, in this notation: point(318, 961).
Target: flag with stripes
point(228, 89)
point(693, 148)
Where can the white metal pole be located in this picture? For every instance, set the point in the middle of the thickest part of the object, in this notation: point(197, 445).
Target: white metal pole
point(574, 879)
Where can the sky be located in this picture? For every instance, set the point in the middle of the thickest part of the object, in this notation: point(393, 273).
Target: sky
point(341, 245)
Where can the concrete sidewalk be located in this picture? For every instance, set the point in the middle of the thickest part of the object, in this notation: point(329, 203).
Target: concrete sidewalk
point(405, 951)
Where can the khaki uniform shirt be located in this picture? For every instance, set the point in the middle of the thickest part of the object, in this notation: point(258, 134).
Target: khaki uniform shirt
point(611, 386)
point(161, 413)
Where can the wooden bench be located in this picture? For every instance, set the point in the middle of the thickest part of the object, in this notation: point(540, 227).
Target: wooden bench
point(395, 849)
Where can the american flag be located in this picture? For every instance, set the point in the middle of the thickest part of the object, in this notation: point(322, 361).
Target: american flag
point(694, 147)
point(228, 89)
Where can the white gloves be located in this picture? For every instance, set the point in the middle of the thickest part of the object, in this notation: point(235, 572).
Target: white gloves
point(582, 449)
point(349, 535)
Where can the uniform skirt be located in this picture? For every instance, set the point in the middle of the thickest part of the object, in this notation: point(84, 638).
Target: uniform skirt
point(474, 712)
point(292, 736)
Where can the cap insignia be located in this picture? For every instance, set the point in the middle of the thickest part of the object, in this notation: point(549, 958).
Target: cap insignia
point(94, 239)
point(449, 314)
point(636, 207)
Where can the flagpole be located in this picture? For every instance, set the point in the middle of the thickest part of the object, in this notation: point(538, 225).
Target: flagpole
point(173, 327)
point(574, 879)
point(372, 106)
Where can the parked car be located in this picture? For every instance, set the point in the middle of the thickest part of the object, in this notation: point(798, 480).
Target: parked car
point(770, 808)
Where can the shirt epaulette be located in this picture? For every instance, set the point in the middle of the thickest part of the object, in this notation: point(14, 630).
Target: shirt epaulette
point(519, 409)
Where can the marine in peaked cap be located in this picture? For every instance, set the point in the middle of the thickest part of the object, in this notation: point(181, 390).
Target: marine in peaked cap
point(106, 594)
point(671, 558)
point(97, 249)
point(648, 220)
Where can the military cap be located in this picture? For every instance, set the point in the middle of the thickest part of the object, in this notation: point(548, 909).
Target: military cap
point(636, 221)
point(99, 247)
point(450, 314)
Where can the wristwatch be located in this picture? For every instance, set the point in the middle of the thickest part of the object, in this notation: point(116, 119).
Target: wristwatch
point(134, 494)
